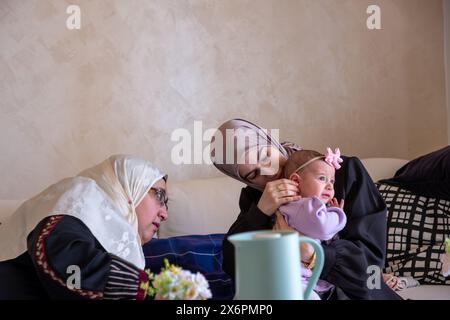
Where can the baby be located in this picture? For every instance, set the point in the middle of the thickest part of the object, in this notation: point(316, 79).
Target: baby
point(317, 214)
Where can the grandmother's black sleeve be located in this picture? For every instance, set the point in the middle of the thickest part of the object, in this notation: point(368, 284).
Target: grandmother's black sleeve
point(61, 244)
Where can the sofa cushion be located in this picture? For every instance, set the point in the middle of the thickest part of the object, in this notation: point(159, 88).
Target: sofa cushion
point(417, 228)
point(428, 175)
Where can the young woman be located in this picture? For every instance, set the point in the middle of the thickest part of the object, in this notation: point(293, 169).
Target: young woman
point(361, 243)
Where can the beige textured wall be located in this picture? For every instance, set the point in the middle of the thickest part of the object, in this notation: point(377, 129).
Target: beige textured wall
point(139, 69)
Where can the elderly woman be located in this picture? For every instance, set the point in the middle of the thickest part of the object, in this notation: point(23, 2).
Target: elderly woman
point(362, 243)
point(82, 237)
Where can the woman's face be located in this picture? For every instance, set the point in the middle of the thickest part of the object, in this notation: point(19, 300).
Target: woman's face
point(265, 168)
point(150, 213)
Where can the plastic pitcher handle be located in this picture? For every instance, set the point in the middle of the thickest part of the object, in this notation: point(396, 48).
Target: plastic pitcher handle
point(317, 269)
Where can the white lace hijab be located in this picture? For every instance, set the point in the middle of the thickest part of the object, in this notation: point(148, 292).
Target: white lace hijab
point(104, 197)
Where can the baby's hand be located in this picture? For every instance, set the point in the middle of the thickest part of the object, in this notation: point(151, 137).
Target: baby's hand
point(335, 203)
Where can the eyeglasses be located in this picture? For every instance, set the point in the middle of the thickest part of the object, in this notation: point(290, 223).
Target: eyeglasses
point(160, 195)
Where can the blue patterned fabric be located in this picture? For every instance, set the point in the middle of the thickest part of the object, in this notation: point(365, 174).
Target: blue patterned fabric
point(202, 253)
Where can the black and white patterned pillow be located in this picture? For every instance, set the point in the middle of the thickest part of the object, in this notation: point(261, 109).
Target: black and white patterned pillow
point(416, 230)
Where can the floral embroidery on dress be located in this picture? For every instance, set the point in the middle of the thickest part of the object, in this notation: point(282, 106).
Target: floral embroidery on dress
point(42, 262)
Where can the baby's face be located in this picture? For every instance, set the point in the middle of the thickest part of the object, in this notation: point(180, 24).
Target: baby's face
point(317, 180)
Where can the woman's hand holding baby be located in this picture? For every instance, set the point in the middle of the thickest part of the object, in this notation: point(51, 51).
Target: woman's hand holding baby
point(277, 193)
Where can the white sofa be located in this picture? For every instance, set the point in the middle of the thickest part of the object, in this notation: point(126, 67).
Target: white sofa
point(205, 206)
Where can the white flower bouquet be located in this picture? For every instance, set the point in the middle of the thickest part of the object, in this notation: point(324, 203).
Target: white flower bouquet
point(174, 283)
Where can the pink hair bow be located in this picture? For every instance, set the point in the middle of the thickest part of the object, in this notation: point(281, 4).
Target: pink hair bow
point(333, 159)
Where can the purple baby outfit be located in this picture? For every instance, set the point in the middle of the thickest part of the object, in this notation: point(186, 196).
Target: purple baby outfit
point(313, 218)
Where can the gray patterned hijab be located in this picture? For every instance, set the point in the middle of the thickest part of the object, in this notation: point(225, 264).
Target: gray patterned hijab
point(255, 136)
